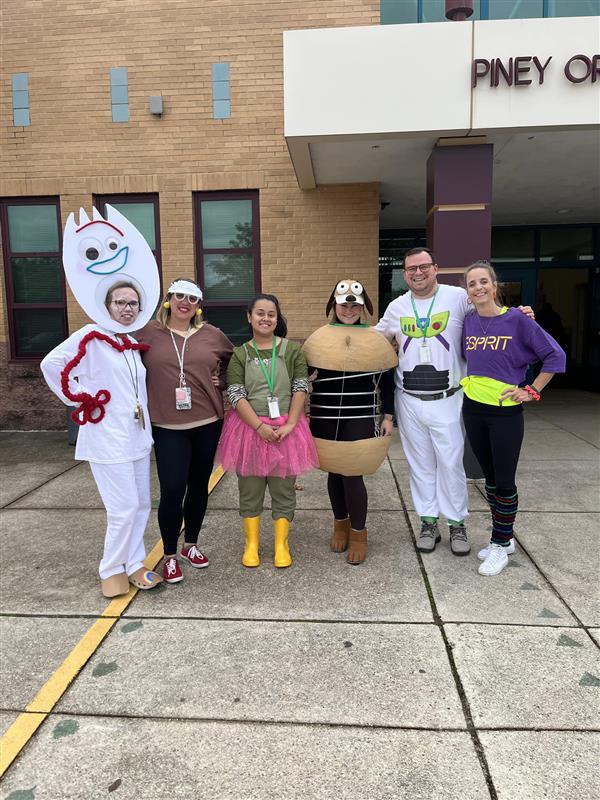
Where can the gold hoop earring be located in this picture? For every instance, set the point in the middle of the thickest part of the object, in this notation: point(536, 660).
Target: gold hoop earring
point(199, 312)
point(166, 304)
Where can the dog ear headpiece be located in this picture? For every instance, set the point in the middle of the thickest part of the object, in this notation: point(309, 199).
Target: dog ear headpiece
point(100, 252)
point(349, 290)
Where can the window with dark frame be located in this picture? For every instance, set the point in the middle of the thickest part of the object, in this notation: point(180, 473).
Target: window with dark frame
point(34, 278)
point(227, 242)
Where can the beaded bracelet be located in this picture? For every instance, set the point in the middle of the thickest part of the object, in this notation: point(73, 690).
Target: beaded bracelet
point(530, 390)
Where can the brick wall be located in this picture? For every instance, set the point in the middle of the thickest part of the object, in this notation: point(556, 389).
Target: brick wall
point(73, 149)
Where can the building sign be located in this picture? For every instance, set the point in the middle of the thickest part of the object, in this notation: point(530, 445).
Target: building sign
point(525, 70)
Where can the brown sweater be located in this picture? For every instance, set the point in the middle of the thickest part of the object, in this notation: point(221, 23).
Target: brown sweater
point(207, 353)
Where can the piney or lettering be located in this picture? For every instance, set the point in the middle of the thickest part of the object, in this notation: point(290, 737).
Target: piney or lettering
point(512, 71)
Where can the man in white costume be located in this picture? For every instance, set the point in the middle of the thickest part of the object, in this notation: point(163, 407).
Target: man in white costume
point(427, 323)
point(113, 275)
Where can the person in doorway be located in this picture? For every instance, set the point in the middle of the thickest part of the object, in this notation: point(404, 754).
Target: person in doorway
point(266, 439)
point(110, 384)
point(186, 366)
point(427, 323)
point(499, 344)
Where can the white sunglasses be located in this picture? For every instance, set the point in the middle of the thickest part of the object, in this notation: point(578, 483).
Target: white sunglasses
point(191, 298)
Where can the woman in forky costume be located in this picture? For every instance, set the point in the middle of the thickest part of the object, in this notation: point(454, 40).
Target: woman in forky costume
point(112, 273)
point(352, 390)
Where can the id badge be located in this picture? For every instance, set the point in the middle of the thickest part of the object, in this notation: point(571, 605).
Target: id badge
point(273, 404)
point(183, 398)
point(424, 354)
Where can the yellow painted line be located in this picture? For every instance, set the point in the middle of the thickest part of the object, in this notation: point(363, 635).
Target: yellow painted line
point(216, 476)
point(27, 723)
point(17, 736)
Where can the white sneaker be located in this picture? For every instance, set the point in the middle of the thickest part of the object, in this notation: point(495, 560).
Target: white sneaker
point(495, 562)
point(483, 554)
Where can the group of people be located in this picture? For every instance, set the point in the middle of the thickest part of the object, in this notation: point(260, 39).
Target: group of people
point(165, 386)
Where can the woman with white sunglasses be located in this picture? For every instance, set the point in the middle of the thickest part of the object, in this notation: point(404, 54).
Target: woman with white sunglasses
point(186, 367)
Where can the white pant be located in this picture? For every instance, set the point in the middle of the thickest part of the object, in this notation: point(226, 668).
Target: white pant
point(125, 492)
point(433, 440)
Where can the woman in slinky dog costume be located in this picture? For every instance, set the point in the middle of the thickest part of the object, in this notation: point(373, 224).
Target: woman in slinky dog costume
point(351, 410)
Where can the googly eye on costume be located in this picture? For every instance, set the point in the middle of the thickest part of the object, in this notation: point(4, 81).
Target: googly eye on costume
point(112, 243)
point(100, 252)
point(349, 291)
point(90, 249)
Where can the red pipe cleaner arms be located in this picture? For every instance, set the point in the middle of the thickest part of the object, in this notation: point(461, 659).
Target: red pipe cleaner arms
point(92, 408)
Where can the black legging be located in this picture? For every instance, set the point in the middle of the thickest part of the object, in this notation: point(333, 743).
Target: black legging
point(184, 461)
point(348, 496)
point(495, 434)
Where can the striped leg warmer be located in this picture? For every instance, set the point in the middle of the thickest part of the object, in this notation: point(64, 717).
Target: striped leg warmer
point(503, 515)
point(490, 496)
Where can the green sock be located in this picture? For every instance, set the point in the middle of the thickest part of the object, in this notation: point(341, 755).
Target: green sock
point(455, 521)
point(429, 519)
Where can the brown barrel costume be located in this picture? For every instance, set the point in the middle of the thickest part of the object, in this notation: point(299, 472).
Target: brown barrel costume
point(352, 352)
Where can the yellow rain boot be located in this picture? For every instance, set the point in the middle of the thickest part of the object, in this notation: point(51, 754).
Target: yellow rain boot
point(282, 552)
point(252, 531)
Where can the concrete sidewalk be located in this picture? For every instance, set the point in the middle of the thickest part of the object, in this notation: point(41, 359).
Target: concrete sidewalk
point(405, 677)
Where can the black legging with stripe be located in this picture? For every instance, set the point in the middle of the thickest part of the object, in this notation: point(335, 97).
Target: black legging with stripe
point(495, 434)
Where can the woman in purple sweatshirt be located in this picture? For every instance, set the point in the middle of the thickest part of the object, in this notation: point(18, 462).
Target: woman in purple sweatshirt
point(499, 344)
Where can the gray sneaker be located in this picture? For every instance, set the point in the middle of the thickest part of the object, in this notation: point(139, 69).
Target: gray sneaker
point(429, 537)
point(459, 543)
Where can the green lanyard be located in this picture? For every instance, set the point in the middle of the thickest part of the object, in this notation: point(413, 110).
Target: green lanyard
point(270, 380)
point(423, 327)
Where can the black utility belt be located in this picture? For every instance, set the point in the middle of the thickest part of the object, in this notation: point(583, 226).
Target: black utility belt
point(437, 395)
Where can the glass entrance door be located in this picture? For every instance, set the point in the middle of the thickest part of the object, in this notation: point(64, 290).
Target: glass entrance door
point(519, 285)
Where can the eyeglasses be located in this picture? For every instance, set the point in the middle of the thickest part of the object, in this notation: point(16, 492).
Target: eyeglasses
point(122, 304)
point(422, 267)
point(191, 298)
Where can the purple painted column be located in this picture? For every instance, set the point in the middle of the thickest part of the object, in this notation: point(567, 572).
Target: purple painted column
point(459, 199)
point(459, 220)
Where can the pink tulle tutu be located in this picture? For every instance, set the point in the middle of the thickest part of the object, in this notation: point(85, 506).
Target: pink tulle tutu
point(242, 450)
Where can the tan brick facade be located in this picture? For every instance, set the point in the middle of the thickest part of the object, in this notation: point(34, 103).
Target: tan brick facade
point(73, 150)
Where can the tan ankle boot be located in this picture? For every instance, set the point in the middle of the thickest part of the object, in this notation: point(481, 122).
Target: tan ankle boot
point(357, 548)
point(115, 585)
point(341, 533)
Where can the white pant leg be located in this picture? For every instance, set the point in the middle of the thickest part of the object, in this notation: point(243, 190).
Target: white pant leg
point(118, 490)
point(137, 549)
point(419, 452)
point(447, 435)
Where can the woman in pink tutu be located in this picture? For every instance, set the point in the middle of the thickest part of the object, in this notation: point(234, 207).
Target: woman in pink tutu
point(266, 439)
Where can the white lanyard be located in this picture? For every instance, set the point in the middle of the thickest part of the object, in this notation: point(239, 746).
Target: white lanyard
point(180, 357)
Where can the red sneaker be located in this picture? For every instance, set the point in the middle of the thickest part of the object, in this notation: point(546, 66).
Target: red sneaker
point(171, 571)
point(195, 557)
